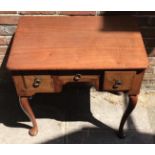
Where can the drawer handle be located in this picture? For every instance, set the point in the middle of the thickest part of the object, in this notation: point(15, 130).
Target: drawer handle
point(117, 84)
point(36, 82)
point(77, 77)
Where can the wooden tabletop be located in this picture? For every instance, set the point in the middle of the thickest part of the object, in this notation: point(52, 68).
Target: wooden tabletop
point(77, 42)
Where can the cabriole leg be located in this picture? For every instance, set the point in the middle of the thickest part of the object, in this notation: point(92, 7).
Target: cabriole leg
point(131, 106)
point(25, 105)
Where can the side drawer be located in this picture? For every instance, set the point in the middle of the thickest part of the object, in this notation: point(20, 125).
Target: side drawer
point(39, 83)
point(118, 80)
point(28, 85)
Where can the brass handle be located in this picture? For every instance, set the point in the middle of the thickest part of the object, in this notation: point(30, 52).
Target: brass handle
point(117, 84)
point(77, 77)
point(36, 82)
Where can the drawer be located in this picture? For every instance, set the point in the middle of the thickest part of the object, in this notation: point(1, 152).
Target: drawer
point(29, 85)
point(59, 81)
point(38, 83)
point(118, 80)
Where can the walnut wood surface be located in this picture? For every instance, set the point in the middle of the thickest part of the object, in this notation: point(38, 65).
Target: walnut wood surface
point(130, 82)
point(132, 104)
point(25, 105)
point(49, 83)
point(136, 83)
point(65, 43)
point(46, 83)
point(126, 78)
point(59, 81)
point(112, 46)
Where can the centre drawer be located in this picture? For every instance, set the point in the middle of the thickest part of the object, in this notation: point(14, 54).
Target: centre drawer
point(118, 80)
point(59, 81)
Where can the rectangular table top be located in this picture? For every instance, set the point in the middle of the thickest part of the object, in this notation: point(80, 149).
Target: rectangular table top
point(77, 43)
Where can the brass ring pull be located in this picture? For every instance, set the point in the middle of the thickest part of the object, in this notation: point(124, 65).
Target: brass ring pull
point(77, 77)
point(117, 84)
point(36, 82)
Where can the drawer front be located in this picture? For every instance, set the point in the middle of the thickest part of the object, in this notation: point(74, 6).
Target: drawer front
point(118, 80)
point(38, 83)
point(59, 81)
point(29, 85)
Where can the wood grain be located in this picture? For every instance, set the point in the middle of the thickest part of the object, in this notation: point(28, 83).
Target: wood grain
point(112, 46)
point(72, 43)
point(25, 105)
point(24, 84)
point(46, 83)
point(132, 104)
point(49, 83)
point(126, 78)
point(60, 81)
point(136, 83)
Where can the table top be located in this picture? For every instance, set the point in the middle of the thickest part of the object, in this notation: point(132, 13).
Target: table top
point(77, 43)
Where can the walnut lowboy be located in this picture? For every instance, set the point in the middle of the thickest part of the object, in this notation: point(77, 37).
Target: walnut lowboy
point(106, 52)
point(114, 81)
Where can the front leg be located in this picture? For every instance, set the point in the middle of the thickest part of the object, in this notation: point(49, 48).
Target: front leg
point(131, 106)
point(25, 105)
